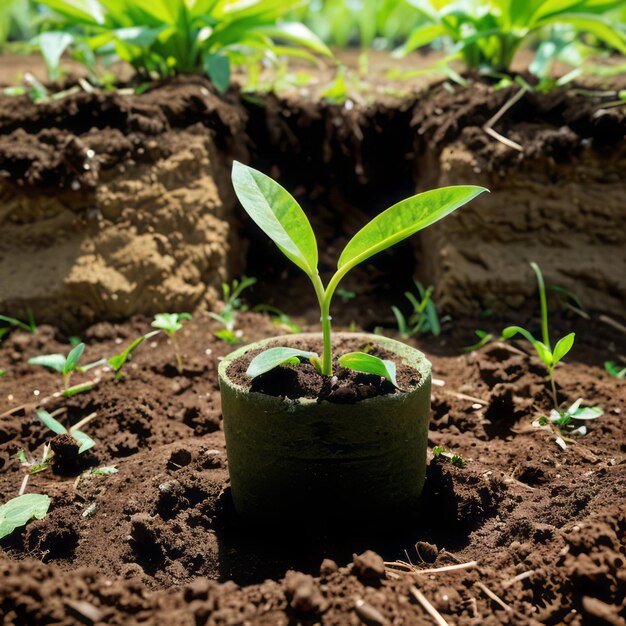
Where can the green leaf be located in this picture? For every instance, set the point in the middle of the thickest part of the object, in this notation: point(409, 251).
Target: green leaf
point(50, 422)
point(278, 215)
point(20, 510)
point(297, 33)
point(15, 322)
point(562, 347)
point(117, 361)
point(85, 441)
point(542, 351)
point(614, 369)
point(73, 358)
point(53, 361)
point(587, 413)
point(53, 45)
point(170, 322)
point(269, 359)
point(369, 364)
point(403, 220)
point(105, 471)
point(217, 68)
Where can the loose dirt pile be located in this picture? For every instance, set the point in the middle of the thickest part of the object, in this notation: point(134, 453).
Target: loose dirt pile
point(150, 543)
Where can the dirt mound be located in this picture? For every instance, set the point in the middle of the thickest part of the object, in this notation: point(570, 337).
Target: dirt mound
point(545, 526)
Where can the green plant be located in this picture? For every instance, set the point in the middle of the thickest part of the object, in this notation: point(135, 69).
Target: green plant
point(487, 33)
point(169, 37)
point(423, 318)
point(84, 441)
point(615, 370)
point(280, 318)
point(549, 356)
point(483, 339)
point(563, 422)
point(454, 459)
point(278, 214)
point(233, 304)
point(171, 323)
point(65, 365)
point(19, 511)
point(12, 322)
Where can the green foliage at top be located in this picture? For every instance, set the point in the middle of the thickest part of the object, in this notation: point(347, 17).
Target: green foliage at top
point(167, 37)
point(282, 219)
point(18, 511)
point(487, 33)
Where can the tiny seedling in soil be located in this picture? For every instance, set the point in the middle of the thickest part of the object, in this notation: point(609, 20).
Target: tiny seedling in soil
point(84, 441)
point(483, 339)
point(565, 423)
point(233, 304)
point(19, 511)
point(171, 323)
point(282, 219)
point(455, 459)
point(615, 370)
point(65, 365)
point(423, 318)
point(12, 322)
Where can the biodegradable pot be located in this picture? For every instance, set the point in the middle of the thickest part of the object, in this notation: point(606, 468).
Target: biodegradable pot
point(308, 461)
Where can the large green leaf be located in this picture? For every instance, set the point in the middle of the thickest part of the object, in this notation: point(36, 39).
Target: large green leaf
point(20, 510)
point(278, 215)
point(403, 220)
point(269, 359)
point(594, 24)
point(369, 364)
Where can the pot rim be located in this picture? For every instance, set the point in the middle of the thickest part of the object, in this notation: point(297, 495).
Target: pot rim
point(419, 362)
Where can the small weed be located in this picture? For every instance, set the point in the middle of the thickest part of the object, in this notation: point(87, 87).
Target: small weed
point(65, 365)
point(84, 441)
point(104, 471)
point(12, 322)
point(280, 318)
point(423, 318)
point(455, 459)
point(233, 304)
point(615, 370)
point(564, 422)
point(171, 323)
point(483, 339)
point(345, 295)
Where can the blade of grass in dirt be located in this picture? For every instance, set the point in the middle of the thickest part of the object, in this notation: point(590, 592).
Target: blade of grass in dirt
point(50, 422)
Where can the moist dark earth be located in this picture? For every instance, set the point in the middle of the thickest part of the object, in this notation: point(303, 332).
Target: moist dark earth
point(538, 531)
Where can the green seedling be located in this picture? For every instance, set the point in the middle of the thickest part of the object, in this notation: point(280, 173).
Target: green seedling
point(455, 459)
point(65, 365)
point(483, 339)
point(84, 441)
point(12, 322)
point(2, 373)
point(171, 323)
point(278, 214)
point(104, 471)
point(280, 318)
point(615, 370)
point(423, 319)
point(549, 356)
point(233, 304)
point(19, 511)
point(565, 423)
point(345, 295)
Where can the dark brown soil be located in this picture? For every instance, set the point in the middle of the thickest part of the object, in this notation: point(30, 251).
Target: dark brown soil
point(303, 381)
point(158, 542)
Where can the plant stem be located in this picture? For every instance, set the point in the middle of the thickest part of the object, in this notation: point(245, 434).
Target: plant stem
point(179, 360)
point(324, 302)
point(553, 385)
point(545, 335)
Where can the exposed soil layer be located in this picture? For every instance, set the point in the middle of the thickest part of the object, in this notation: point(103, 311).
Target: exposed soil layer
point(158, 541)
point(346, 386)
point(121, 203)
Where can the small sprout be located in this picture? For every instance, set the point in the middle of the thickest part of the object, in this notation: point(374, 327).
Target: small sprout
point(279, 317)
point(483, 339)
point(171, 323)
point(563, 422)
point(345, 295)
point(12, 322)
point(104, 471)
point(2, 372)
point(423, 318)
point(65, 365)
point(233, 304)
point(615, 370)
point(84, 441)
point(19, 511)
point(549, 356)
point(455, 459)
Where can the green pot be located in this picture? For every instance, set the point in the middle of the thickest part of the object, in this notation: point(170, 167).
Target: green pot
point(306, 461)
